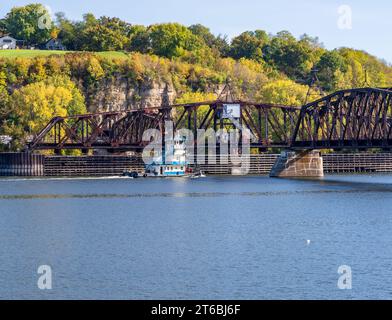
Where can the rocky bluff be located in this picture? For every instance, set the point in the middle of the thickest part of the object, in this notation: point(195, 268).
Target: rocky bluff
point(120, 93)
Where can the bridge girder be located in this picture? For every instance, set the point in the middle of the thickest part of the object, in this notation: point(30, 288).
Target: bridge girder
point(355, 118)
point(348, 119)
point(271, 125)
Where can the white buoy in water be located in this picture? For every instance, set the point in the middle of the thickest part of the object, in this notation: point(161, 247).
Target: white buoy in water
point(308, 242)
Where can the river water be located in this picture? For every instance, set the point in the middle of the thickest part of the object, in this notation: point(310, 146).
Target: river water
point(213, 238)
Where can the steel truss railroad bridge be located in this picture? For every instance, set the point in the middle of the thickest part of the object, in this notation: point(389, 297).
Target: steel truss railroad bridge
point(348, 119)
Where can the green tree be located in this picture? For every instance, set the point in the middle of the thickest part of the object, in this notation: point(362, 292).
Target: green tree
point(292, 57)
point(92, 34)
point(31, 23)
point(3, 28)
point(139, 39)
point(106, 34)
point(69, 31)
point(330, 67)
point(173, 40)
point(249, 45)
point(218, 43)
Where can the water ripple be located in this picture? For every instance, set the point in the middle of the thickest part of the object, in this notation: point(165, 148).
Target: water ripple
point(184, 195)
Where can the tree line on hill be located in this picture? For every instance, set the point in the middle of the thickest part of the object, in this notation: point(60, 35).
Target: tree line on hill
point(196, 44)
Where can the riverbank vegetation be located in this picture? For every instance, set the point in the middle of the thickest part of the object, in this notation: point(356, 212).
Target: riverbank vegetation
point(274, 68)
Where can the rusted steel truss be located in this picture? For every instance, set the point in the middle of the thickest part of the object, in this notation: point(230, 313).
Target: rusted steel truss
point(356, 118)
point(270, 125)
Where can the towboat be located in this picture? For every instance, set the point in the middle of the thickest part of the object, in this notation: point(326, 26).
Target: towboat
point(177, 166)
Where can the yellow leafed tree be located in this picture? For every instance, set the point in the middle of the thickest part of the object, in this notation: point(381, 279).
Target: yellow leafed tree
point(285, 92)
point(35, 104)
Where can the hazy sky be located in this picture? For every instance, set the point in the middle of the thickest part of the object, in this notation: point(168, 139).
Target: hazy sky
point(371, 20)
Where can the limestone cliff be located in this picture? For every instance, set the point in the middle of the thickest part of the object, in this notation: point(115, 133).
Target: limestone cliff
point(120, 93)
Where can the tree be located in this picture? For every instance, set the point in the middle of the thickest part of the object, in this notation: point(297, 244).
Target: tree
point(364, 69)
point(249, 45)
point(3, 96)
point(3, 82)
point(92, 34)
point(77, 104)
point(329, 66)
point(94, 69)
point(106, 34)
point(218, 43)
point(172, 40)
point(294, 58)
point(313, 42)
point(68, 31)
point(195, 97)
point(204, 33)
point(139, 39)
point(33, 105)
point(31, 23)
point(3, 28)
point(285, 92)
point(222, 45)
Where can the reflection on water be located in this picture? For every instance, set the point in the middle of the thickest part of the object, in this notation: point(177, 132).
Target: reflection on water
point(214, 238)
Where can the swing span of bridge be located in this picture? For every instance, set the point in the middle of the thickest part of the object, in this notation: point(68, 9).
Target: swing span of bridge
point(348, 119)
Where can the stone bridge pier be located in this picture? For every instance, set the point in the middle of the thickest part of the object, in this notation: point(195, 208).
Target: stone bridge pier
point(303, 164)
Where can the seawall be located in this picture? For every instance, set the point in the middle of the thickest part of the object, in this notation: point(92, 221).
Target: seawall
point(24, 164)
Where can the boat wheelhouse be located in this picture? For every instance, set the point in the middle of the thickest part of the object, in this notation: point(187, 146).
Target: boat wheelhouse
point(175, 165)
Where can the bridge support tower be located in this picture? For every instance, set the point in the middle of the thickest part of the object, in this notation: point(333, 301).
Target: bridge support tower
point(303, 164)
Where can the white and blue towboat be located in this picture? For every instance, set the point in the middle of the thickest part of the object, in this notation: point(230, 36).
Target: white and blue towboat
point(177, 167)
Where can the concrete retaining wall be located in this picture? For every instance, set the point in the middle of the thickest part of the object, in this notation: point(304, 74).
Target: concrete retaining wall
point(24, 164)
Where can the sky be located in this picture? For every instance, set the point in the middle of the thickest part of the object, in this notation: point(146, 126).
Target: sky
point(369, 29)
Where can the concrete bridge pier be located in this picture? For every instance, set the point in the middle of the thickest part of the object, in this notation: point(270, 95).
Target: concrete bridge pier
point(303, 164)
